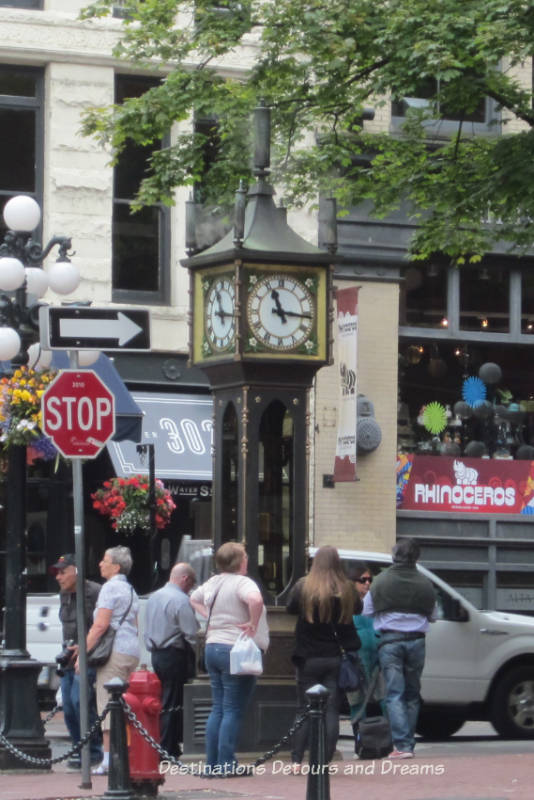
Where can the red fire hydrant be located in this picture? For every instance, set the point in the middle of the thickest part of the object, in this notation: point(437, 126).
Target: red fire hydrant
point(144, 698)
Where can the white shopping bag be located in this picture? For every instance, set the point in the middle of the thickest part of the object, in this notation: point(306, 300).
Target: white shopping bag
point(245, 657)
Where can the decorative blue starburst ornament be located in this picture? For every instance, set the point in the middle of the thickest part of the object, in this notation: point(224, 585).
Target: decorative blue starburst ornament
point(474, 391)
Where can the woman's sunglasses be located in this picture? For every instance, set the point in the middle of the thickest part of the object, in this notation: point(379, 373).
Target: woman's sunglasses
point(364, 580)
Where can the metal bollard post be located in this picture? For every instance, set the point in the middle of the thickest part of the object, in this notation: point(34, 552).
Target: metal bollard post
point(318, 785)
point(119, 787)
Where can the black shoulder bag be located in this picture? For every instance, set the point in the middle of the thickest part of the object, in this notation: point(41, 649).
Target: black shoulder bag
point(98, 655)
point(351, 675)
point(372, 735)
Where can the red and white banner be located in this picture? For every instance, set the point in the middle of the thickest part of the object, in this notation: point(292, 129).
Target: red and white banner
point(474, 485)
point(347, 358)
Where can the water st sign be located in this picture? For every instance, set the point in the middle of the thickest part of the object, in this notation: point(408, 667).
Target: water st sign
point(78, 413)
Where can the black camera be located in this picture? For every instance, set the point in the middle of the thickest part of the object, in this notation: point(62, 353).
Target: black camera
point(63, 658)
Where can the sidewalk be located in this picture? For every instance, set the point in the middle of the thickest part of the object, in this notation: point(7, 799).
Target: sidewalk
point(452, 778)
point(482, 775)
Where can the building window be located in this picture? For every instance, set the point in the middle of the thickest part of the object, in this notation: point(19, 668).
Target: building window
point(424, 296)
point(463, 331)
point(482, 119)
point(141, 240)
point(35, 4)
point(21, 123)
point(484, 300)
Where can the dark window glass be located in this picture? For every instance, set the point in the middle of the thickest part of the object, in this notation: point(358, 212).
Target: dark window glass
point(17, 154)
point(135, 249)
point(36, 4)
point(21, 123)
point(21, 84)
point(209, 129)
point(423, 299)
point(484, 300)
point(140, 240)
point(527, 303)
point(427, 89)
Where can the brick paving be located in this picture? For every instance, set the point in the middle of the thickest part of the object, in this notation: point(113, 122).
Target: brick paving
point(486, 773)
point(476, 777)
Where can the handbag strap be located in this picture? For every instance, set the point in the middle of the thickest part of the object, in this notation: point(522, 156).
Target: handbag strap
point(368, 693)
point(336, 637)
point(219, 587)
point(127, 610)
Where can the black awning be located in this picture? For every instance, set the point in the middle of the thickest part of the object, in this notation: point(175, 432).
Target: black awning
point(128, 415)
point(180, 428)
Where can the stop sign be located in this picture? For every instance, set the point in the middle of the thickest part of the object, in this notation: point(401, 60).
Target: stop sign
point(78, 413)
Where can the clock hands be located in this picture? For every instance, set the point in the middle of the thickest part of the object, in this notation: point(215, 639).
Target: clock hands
point(282, 313)
point(220, 311)
point(278, 310)
point(294, 314)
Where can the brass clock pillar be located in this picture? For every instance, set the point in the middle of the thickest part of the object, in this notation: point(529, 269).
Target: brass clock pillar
point(260, 328)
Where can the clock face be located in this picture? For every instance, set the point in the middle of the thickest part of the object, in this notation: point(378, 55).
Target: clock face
point(281, 311)
point(219, 313)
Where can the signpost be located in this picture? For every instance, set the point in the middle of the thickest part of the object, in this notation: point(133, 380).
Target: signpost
point(78, 413)
point(88, 328)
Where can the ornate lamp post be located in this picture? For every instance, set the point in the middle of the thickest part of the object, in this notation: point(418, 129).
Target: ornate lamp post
point(21, 273)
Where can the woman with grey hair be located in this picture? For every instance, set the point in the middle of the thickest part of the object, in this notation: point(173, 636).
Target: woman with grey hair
point(118, 606)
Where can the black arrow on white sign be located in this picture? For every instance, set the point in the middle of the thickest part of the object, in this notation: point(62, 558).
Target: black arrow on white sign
point(87, 328)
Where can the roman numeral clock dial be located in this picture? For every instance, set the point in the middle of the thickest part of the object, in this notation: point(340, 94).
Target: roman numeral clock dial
point(219, 314)
point(281, 313)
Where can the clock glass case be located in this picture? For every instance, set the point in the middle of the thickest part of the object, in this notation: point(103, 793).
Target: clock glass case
point(284, 310)
point(215, 315)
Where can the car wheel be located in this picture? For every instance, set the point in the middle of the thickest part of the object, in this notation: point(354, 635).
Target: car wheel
point(436, 726)
point(512, 707)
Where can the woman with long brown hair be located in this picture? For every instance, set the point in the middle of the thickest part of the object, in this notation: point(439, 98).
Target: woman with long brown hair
point(325, 602)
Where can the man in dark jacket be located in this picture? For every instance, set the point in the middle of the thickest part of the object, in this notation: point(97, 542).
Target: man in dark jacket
point(402, 602)
point(66, 575)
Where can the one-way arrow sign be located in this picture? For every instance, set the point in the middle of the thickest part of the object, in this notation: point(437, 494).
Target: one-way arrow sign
point(87, 328)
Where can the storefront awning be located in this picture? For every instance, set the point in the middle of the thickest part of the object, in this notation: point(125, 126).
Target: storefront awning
point(180, 428)
point(128, 415)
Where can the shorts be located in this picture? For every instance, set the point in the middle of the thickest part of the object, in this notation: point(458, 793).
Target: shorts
point(120, 666)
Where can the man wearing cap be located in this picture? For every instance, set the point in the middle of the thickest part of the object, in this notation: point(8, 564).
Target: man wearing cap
point(66, 575)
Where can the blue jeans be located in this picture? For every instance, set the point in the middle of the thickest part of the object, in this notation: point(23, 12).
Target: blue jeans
point(402, 663)
point(70, 693)
point(230, 695)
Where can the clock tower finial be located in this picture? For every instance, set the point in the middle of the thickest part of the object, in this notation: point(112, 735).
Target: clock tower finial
point(262, 140)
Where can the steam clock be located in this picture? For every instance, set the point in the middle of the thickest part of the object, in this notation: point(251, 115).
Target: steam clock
point(260, 329)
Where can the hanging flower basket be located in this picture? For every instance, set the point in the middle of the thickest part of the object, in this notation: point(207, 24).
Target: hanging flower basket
point(126, 502)
point(20, 412)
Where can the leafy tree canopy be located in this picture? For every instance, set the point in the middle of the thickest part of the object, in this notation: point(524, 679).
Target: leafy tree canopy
point(319, 65)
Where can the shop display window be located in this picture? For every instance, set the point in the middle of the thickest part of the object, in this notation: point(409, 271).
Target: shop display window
point(484, 300)
point(423, 301)
point(527, 303)
point(469, 399)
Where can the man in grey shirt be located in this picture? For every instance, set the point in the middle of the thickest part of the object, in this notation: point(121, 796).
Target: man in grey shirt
point(170, 633)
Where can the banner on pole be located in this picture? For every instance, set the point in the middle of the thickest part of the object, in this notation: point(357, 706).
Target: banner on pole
point(347, 342)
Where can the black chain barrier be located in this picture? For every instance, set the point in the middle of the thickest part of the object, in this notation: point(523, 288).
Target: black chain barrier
point(130, 714)
point(245, 769)
point(48, 762)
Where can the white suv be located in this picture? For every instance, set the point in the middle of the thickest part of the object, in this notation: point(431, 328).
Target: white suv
point(479, 664)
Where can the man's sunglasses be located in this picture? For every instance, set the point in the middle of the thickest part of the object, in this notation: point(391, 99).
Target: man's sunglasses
point(364, 580)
